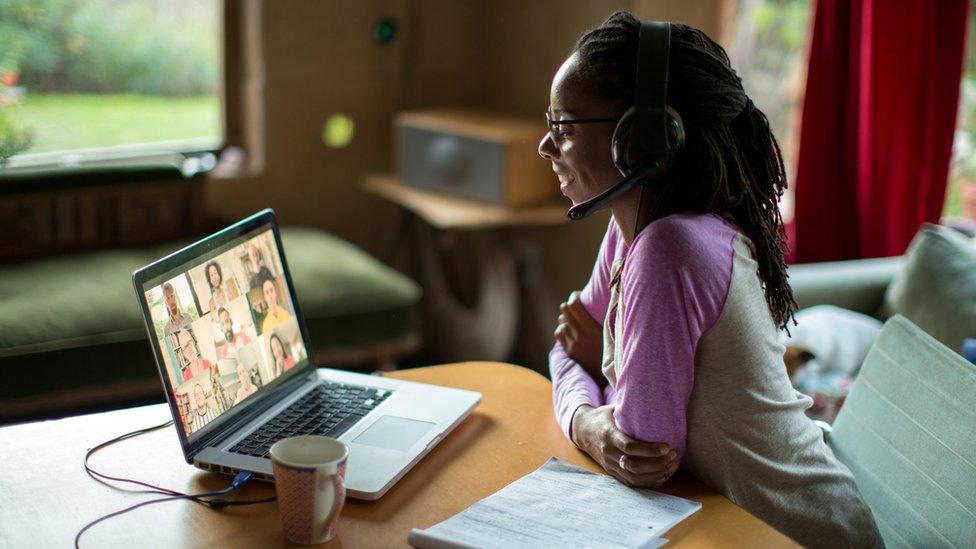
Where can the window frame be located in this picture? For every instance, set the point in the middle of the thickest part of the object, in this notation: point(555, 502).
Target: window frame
point(150, 157)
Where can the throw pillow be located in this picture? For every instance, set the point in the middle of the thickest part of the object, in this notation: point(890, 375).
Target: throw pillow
point(937, 287)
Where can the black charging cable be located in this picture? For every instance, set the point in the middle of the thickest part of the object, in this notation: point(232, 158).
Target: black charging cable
point(217, 503)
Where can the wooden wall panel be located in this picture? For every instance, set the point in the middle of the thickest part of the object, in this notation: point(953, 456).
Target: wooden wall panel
point(26, 225)
point(446, 46)
point(319, 59)
point(527, 43)
point(96, 217)
point(145, 213)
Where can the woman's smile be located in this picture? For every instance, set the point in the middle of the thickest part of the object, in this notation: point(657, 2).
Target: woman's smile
point(564, 181)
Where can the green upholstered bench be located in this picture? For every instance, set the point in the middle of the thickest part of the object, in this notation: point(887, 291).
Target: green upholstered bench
point(72, 335)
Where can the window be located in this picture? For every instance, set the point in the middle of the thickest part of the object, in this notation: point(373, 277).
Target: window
point(89, 79)
point(769, 51)
point(961, 193)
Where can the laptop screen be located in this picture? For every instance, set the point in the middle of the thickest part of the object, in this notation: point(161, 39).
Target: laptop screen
point(226, 327)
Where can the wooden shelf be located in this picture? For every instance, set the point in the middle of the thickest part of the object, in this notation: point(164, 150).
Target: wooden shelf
point(448, 212)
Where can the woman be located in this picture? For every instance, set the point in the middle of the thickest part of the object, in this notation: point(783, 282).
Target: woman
point(688, 289)
point(247, 388)
point(215, 278)
point(282, 360)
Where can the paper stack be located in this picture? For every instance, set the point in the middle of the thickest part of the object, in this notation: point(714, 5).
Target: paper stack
point(560, 505)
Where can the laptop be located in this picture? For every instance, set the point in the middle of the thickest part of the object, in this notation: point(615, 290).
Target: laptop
point(236, 363)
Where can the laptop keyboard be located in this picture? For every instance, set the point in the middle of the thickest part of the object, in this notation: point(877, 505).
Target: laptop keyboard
point(329, 409)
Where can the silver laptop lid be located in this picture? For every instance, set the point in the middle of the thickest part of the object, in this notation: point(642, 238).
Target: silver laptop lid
point(225, 328)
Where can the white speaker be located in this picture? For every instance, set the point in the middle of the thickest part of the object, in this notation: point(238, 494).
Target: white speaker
point(476, 155)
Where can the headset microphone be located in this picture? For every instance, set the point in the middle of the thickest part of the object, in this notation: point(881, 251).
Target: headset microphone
point(584, 209)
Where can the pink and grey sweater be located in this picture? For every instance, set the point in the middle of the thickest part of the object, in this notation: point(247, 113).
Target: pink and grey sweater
point(692, 357)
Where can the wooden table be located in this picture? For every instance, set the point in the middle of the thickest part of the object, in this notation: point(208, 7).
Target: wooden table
point(45, 496)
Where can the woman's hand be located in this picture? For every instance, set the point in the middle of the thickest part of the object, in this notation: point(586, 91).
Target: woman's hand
point(634, 462)
point(581, 336)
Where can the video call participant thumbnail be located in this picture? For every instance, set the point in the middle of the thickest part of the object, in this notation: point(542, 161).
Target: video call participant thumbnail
point(220, 291)
point(247, 388)
point(191, 363)
point(203, 414)
point(275, 314)
point(281, 359)
point(234, 341)
point(177, 320)
point(258, 272)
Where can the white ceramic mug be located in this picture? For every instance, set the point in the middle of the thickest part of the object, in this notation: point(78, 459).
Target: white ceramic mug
point(309, 480)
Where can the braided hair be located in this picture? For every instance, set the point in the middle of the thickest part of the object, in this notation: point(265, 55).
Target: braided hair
point(730, 165)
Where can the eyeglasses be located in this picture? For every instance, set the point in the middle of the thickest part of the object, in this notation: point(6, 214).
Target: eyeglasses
point(553, 123)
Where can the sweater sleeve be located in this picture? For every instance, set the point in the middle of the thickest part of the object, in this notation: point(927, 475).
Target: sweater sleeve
point(675, 281)
point(571, 385)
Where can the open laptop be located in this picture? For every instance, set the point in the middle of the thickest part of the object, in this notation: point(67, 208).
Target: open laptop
point(236, 363)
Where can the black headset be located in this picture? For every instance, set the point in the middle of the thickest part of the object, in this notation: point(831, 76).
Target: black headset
point(650, 133)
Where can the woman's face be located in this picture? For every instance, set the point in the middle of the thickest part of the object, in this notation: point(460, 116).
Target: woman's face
point(242, 374)
point(277, 350)
point(270, 294)
point(580, 153)
point(214, 276)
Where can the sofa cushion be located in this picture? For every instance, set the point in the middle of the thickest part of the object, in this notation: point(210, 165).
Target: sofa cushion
point(937, 288)
point(348, 298)
point(72, 301)
point(72, 323)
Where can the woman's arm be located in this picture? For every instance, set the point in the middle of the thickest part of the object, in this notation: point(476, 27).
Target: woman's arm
point(674, 286)
point(572, 386)
point(631, 461)
point(581, 337)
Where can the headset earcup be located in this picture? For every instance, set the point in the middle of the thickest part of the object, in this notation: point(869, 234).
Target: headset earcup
point(620, 143)
point(676, 134)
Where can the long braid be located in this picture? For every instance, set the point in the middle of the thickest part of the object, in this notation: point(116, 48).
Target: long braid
point(731, 164)
point(759, 216)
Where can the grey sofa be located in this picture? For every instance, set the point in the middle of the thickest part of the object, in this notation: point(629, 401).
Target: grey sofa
point(858, 285)
point(933, 285)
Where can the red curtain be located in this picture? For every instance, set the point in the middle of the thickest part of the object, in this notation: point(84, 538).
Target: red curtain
point(878, 122)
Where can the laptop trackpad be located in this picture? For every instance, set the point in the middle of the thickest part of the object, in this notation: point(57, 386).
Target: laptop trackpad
point(394, 433)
